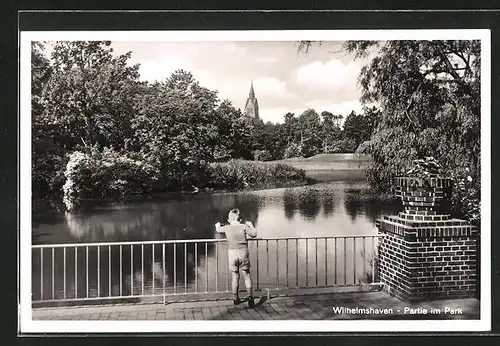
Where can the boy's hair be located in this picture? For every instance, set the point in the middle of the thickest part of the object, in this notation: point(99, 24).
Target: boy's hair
point(233, 215)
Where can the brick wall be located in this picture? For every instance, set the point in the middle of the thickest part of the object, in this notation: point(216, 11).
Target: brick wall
point(425, 254)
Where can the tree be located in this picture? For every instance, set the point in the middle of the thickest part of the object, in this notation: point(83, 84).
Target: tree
point(359, 127)
point(309, 125)
point(176, 130)
point(269, 140)
point(83, 95)
point(47, 156)
point(290, 128)
point(234, 130)
point(91, 93)
point(428, 93)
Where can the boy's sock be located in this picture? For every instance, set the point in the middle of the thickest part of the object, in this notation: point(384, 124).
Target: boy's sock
point(251, 303)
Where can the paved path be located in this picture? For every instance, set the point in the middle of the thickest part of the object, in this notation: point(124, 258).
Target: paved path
point(299, 307)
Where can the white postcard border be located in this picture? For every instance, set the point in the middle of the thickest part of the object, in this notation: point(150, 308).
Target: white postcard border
point(27, 325)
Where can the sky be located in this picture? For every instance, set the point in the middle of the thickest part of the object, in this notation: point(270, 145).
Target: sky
point(284, 80)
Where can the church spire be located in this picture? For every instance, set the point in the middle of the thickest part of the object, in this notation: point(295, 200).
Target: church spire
point(252, 106)
point(252, 93)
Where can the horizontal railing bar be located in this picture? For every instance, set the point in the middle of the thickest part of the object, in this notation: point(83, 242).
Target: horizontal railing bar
point(262, 289)
point(131, 243)
point(195, 241)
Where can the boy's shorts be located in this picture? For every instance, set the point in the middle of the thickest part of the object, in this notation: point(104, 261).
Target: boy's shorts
point(238, 259)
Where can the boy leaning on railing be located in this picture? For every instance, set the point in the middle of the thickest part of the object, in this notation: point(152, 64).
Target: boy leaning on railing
point(237, 252)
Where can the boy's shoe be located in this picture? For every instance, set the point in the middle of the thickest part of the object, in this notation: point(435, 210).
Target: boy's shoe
point(251, 303)
point(237, 301)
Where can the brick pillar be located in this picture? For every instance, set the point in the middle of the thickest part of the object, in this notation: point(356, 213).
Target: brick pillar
point(425, 254)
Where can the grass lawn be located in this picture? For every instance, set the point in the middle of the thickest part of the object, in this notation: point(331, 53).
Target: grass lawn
point(331, 166)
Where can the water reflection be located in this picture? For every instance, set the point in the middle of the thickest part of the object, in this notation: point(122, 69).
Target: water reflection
point(309, 204)
point(182, 218)
point(289, 203)
point(357, 201)
point(328, 203)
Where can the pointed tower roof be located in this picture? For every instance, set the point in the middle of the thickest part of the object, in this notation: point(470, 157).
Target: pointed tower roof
point(252, 93)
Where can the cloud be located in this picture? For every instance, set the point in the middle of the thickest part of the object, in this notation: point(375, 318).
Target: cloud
point(274, 114)
point(160, 69)
point(270, 86)
point(343, 108)
point(332, 74)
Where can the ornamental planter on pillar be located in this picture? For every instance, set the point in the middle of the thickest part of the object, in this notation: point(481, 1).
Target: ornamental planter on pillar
point(425, 254)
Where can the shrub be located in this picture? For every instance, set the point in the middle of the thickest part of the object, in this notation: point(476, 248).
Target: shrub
point(238, 174)
point(106, 176)
point(293, 150)
point(262, 155)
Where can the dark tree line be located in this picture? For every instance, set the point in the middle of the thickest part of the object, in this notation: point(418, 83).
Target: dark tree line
point(311, 133)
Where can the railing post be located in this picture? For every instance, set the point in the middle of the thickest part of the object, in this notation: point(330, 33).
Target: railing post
point(286, 252)
point(296, 262)
point(196, 266)
point(354, 259)
point(175, 267)
point(98, 271)
point(152, 266)
point(109, 269)
point(216, 267)
point(257, 252)
point(163, 268)
point(206, 267)
point(345, 261)
point(76, 272)
point(316, 259)
point(365, 257)
point(335, 267)
point(326, 261)
point(307, 262)
point(53, 274)
point(64, 272)
point(142, 269)
point(121, 270)
point(131, 270)
point(87, 270)
point(41, 274)
point(267, 262)
point(185, 267)
point(277, 265)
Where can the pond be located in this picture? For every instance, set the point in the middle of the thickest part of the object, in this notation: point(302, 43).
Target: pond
point(327, 209)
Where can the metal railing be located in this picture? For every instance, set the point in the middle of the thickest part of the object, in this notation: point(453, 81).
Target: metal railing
point(117, 270)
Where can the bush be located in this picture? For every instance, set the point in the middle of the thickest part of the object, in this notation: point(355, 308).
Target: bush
point(466, 196)
point(262, 155)
point(106, 176)
point(293, 150)
point(238, 174)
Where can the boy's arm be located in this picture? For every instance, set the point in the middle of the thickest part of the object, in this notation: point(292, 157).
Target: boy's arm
point(250, 229)
point(219, 228)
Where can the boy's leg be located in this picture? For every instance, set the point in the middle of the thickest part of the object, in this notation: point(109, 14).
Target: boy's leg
point(248, 284)
point(235, 285)
point(234, 267)
point(248, 281)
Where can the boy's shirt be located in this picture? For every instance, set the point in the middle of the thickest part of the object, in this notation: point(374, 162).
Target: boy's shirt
point(236, 234)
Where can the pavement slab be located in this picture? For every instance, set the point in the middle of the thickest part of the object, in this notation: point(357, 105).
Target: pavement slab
point(319, 306)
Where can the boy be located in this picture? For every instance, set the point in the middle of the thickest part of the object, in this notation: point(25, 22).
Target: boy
point(237, 252)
